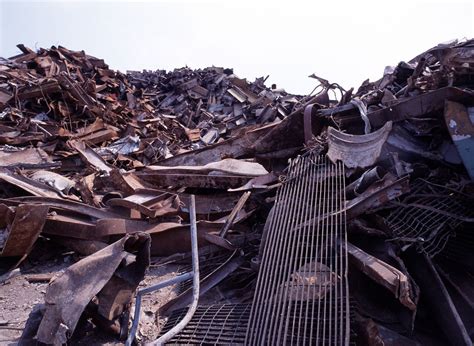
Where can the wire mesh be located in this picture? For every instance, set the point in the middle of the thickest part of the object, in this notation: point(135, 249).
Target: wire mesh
point(220, 324)
point(430, 227)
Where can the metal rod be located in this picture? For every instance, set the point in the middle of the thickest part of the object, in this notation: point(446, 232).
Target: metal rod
point(297, 262)
point(138, 301)
point(265, 272)
point(340, 337)
point(194, 275)
point(230, 220)
point(286, 242)
point(346, 264)
point(315, 229)
point(195, 258)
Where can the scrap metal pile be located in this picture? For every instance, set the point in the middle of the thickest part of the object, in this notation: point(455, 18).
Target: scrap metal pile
point(318, 220)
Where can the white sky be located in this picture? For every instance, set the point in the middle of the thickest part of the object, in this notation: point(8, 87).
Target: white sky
point(343, 41)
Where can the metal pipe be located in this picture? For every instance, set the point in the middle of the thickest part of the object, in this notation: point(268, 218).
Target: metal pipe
point(357, 187)
point(194, 274)
point(195, 258)
point(143, 291)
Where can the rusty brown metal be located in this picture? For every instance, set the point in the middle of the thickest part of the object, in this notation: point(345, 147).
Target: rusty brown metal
point(71, 206)
point(418, 106)
point(194, 180)
point(28, 158)
point(150, 203)
point(68, 295)
point(25, 229)
point(384, 274)
point(109, 154)
point(30, 185)
point(90, 156)
point(377, 195)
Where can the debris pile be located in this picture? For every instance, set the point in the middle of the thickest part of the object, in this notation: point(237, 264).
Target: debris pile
point(355, 211)
point(213, 102)
point(59, 95)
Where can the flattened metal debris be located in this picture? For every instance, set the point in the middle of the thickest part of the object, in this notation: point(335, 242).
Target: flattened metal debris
point(357, 151)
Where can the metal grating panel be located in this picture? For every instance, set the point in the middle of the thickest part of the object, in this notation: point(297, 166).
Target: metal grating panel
point(302, 291)
point(423, 217)
point(222, 324)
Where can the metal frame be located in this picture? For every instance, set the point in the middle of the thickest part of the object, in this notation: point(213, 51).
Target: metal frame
point(194, 275)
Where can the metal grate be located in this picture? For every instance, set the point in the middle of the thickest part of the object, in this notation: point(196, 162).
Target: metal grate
point(423, 217)
point(222, 324)
point(302, 291)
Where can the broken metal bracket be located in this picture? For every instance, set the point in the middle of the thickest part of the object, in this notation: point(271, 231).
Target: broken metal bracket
point(308, 126)
point(357, 150)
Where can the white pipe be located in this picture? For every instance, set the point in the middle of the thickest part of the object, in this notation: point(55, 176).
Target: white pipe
point(194, 250)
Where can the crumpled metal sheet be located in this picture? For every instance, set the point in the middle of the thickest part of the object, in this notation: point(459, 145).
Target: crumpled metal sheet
point(357, 150)
point(151, 203)
point(418, 105)
point(30, 185)
point(25, 228)
point(67, 295)
point(401, 141)
point(377, 194)
point(229, 166)
point(55, 180)
point(125, 146)
point(90, 156)
point(26, 158)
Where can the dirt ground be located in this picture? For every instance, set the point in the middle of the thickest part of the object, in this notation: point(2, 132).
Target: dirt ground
point(18, 296)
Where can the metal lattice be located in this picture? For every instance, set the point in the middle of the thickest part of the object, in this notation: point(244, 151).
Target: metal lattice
point(423, 217)
point(302, 291)
point(220, 324)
